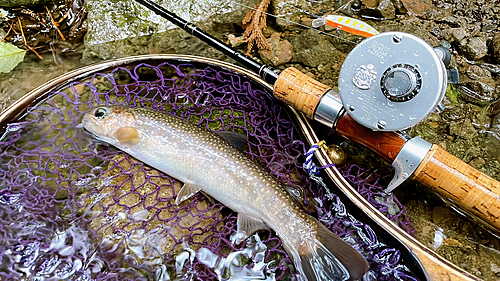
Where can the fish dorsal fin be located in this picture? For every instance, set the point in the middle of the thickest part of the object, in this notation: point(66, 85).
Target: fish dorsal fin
point(186, 192)
point(247, 225)
point(235, 139)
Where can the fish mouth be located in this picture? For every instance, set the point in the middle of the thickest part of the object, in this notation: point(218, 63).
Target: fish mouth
point(90, 126)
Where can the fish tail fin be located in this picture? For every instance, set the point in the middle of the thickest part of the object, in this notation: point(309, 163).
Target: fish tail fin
point(328, 257)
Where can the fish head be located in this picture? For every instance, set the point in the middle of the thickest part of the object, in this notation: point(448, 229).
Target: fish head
point(112, 124)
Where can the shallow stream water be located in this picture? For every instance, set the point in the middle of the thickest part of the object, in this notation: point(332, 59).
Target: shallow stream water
point(463, 242)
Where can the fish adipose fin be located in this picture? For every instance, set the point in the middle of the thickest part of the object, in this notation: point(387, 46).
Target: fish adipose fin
point(186, 192)
point(246, 226)
point(329, 258)
point(238, 141)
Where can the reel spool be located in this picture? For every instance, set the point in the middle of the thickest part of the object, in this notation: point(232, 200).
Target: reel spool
point(391, 81)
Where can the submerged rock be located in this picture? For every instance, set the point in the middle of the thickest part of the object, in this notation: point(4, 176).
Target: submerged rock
point(136, 209)
point(463, 129)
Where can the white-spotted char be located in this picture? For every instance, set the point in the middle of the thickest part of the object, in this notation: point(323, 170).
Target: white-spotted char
point(204, 161)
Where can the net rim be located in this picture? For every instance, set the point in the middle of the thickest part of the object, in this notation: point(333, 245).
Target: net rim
point(424, 259)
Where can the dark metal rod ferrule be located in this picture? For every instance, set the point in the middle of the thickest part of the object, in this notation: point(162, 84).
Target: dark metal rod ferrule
point(268, 73)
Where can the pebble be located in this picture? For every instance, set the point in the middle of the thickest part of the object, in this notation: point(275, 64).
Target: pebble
point(478, 92)
point(387, 9)
point(454, 34)
point(495, 46)
point(476, 72)
point(476, 48)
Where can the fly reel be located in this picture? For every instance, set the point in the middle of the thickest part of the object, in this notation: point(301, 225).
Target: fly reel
point(391, 81)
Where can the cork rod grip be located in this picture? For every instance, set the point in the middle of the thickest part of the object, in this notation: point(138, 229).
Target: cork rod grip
point(299, 90)
point(456, 180)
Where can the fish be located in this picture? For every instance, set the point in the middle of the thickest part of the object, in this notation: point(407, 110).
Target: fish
point(204, 161)
point(346, 24)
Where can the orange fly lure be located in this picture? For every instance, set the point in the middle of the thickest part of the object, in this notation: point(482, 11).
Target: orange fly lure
point(346, 24)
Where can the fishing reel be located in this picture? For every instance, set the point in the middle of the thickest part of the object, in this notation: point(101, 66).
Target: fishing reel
point(392, 80)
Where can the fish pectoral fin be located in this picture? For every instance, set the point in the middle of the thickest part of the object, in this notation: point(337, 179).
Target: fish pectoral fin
point(238, 141)
point(247, 225)
point(186, 192)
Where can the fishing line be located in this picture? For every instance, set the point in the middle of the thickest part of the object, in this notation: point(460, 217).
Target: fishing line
point(302, 25)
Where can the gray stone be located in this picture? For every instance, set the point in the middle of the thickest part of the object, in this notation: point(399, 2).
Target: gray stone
point(118, 28)
point(476, 48)
point(311, 49)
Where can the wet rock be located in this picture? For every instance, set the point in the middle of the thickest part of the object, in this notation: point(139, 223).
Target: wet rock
point(493, 68)
point(452, 21)
point(286, 11)
point(383, 9)
point(478, 92)
point(281, 51)
point(311, 49)
point(476, 72)
point(123, 28)
point(495, 46)
point(18, 3)
point(370, 3)
point(454, 34)
point(463, 129)
point(387, 9)
point(476, 48)
point(421, 8)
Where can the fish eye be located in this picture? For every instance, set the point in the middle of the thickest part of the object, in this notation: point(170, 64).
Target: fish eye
point(101, 112)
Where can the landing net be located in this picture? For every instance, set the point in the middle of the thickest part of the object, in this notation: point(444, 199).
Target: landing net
point(73, 208)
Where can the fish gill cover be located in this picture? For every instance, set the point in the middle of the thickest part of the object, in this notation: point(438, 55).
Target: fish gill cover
point(73, 208)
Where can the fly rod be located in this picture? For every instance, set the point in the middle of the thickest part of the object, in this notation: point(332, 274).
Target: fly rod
point(387, 83)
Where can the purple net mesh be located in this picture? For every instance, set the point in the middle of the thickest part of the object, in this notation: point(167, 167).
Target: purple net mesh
point(73, 208)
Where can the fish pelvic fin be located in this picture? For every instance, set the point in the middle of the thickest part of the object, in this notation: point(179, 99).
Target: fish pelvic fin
point(246, 226)
point(328, 257)
point(187, 191)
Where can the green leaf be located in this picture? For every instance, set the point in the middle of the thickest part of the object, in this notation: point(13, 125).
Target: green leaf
point(10, 57)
